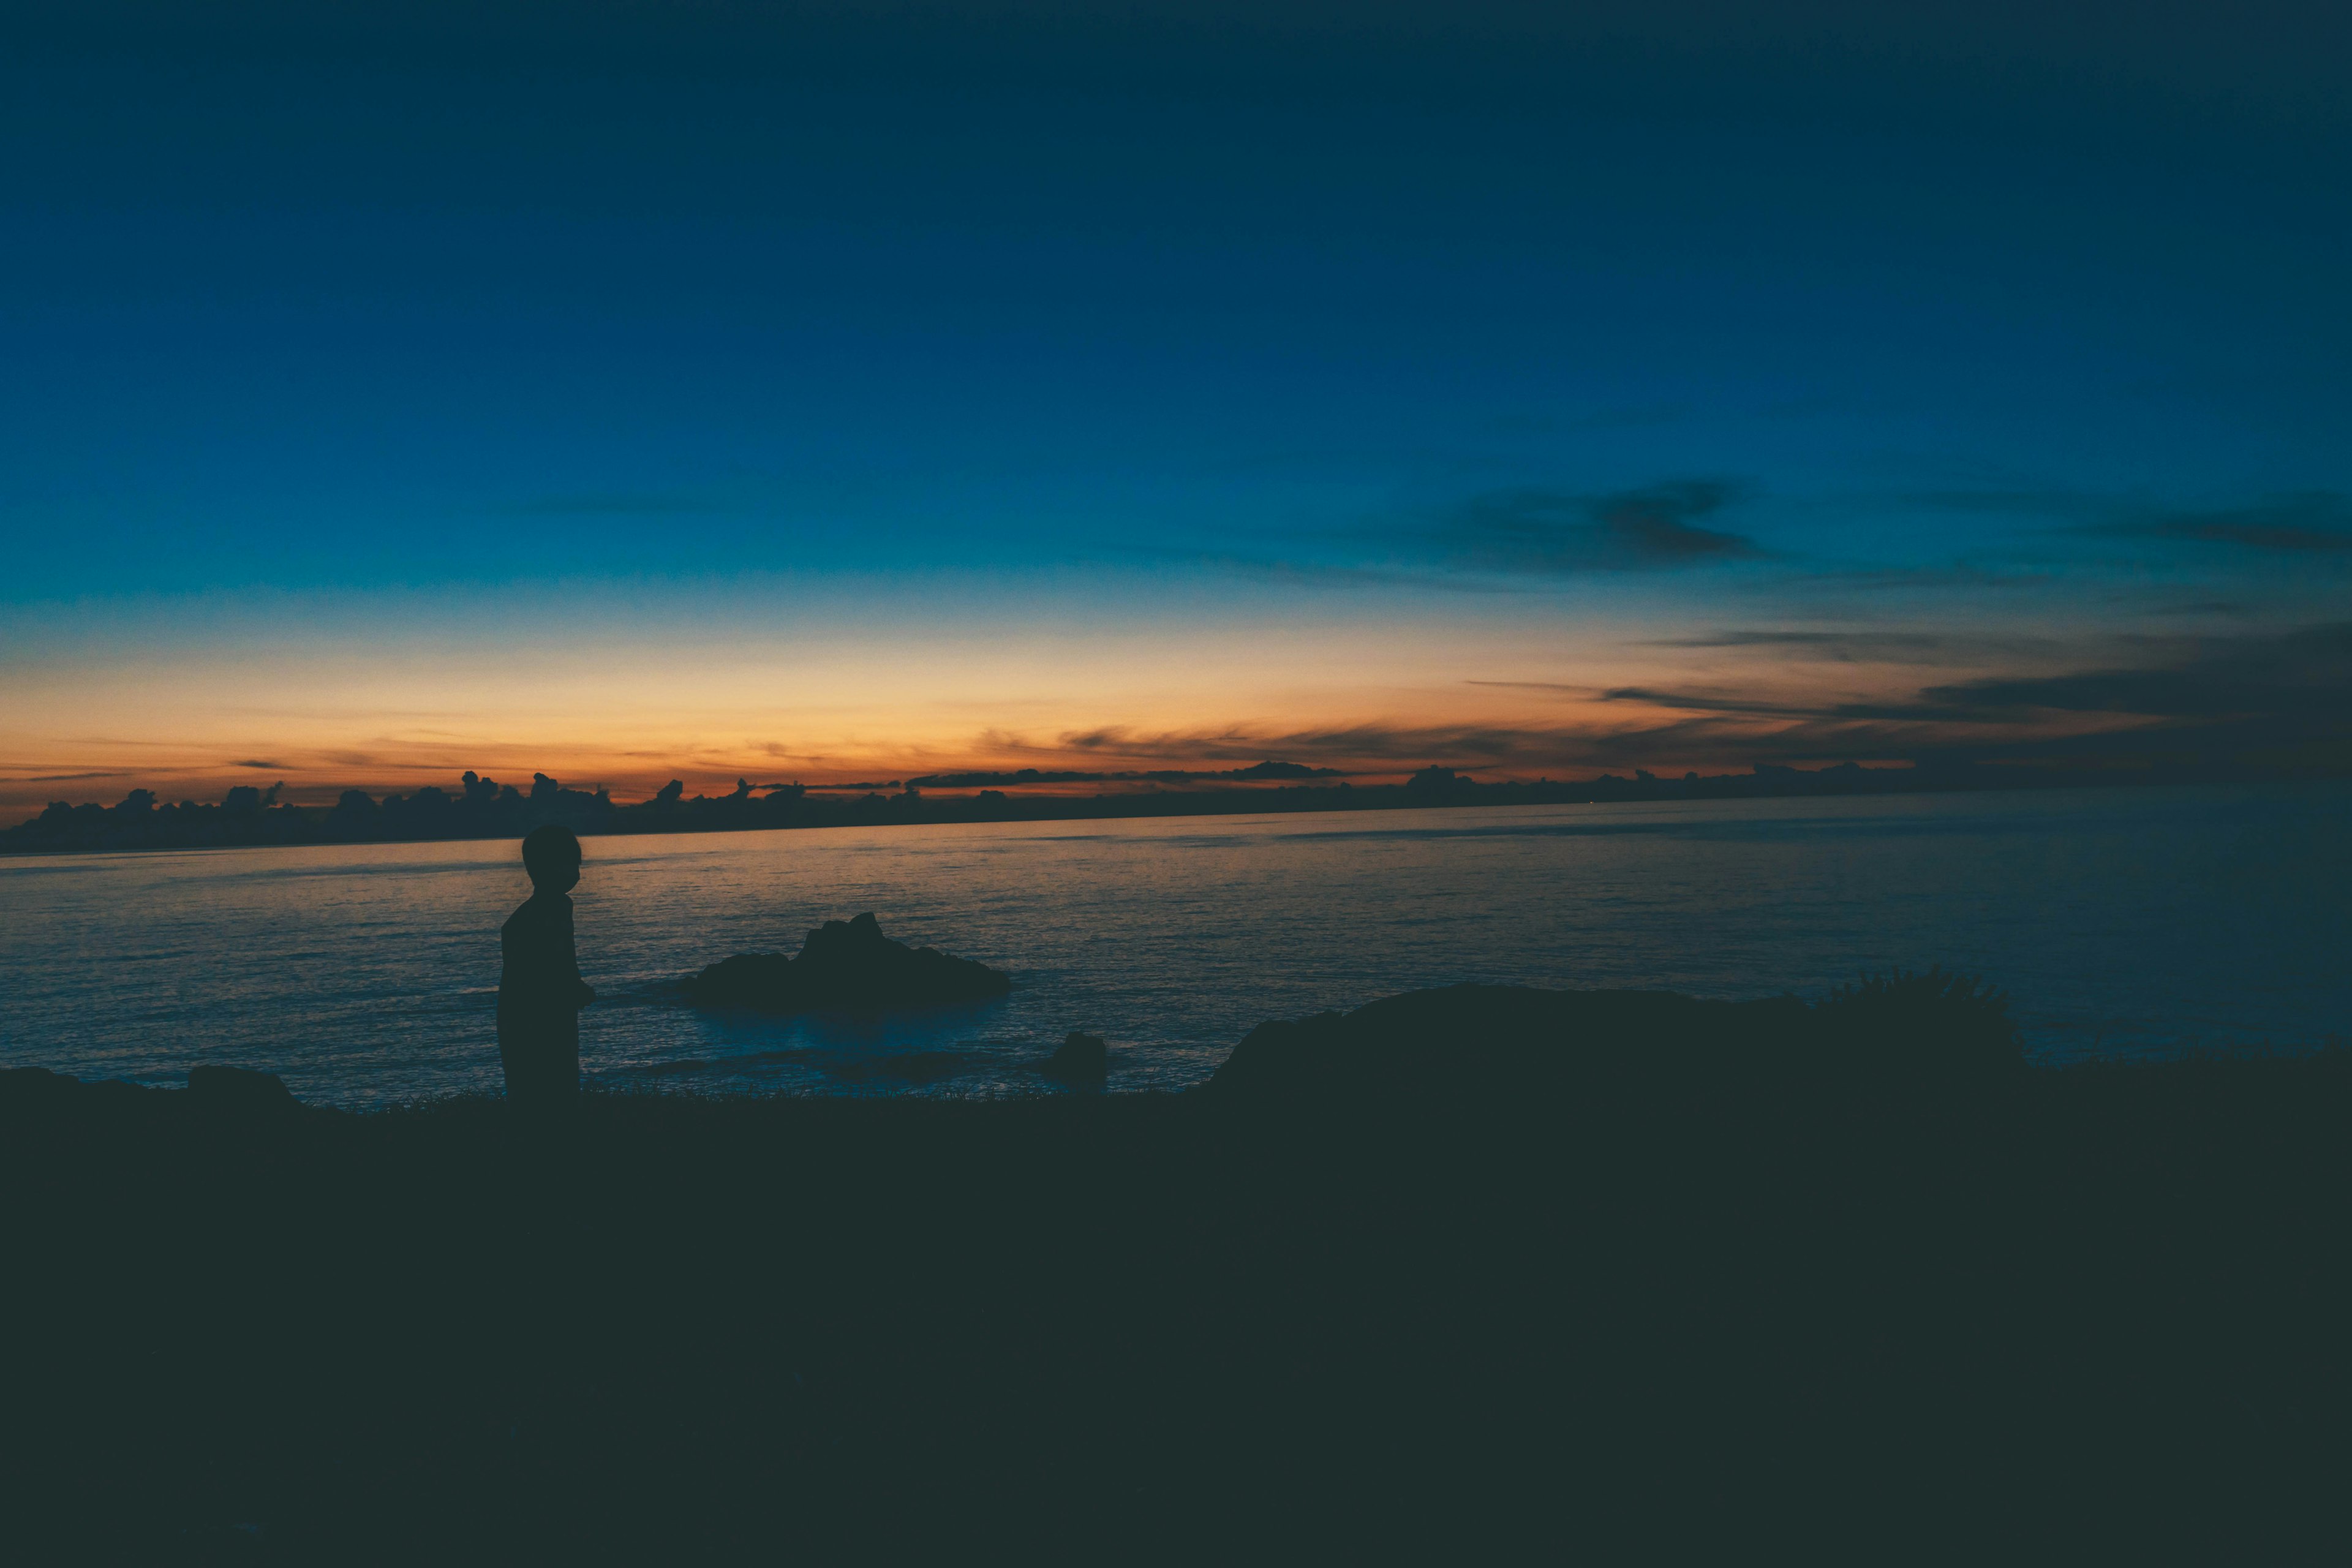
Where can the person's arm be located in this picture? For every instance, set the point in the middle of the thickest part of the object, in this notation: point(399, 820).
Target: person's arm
point(580, 991)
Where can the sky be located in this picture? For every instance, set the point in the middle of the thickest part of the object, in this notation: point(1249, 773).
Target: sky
point(833, 392)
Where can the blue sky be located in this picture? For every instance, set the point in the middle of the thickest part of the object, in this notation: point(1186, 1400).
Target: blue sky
point(1216, 377)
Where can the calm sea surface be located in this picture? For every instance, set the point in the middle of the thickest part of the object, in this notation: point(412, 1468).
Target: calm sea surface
point(2121, 922)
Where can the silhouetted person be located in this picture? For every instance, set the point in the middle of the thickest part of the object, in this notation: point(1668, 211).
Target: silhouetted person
point(540, 989)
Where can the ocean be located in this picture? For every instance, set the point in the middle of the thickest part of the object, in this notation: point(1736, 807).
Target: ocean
point(2121, 921)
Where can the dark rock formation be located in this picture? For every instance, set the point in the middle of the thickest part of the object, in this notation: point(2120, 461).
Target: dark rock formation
point(848, 964)
point(1488, 1038)
point(240, 1088)
point(1933, 1032)
point(1083, 1060)
point(36, 1087)
point(37, 1093)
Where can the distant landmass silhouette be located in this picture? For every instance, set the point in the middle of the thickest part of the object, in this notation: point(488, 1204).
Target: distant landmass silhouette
point(846, 964)
point(482, 808)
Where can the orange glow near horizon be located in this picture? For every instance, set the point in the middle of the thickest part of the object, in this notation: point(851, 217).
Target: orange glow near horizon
point(1375, 700)
point(862, 690)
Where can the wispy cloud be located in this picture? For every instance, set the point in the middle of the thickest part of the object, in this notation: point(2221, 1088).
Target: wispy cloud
point(1840, 647)
point(1961, 577)
point(2314, 522)
point(1558, 532)
point(1553, 687)
point(1707, 702)
point(2211, 700)
point(1527, 540)
point(2305, 673)
point(1537, 539)
point(1309, 573)
point(1877, 645)
point(1372, 742)
point(2308, 522)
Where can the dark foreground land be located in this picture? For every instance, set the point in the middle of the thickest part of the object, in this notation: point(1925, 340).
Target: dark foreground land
point(1601, 1277)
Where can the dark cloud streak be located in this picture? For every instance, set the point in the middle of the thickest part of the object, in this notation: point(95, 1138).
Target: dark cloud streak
point(2206, 702)
point(1560, 533)
point(2308, 522)
point(2302, 674)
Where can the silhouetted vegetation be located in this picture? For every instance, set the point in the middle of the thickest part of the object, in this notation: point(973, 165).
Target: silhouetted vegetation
point(1589, 1275)
point(483, 808)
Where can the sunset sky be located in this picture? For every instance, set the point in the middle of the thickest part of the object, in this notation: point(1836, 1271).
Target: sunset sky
point(847, 392)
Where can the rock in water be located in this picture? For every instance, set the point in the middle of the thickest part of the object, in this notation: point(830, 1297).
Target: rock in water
point(1083, 1060)
point(846, 963)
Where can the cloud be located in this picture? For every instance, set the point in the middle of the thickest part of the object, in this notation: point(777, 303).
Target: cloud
point(1114, 736)
point(1556, 687)
point(1712, 737)
point(1364, 742)
point(1840, 647)
point(2309, 523)
point(1309, 573)
point(2304, 673)
point(261, 763)
point(1296, 574)
point(1557, 531)
point(1508, 540)
point(1961, 575)
point(2282, 700)
point(1654, 525)
point(2207, 702)
point(1868, 646)
point(2295, 522)
point(1268, 769)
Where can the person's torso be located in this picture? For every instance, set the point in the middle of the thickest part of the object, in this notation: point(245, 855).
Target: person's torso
point(535, 946)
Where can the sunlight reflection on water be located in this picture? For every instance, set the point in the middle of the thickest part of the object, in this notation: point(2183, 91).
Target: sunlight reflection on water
point(2120, 922)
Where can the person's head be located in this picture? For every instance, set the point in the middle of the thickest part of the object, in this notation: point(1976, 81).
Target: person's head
point(552, 856)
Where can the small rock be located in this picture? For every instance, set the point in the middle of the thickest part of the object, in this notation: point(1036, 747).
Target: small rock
point(1084, 1058)
point(848, 964)
point(240, 1088)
